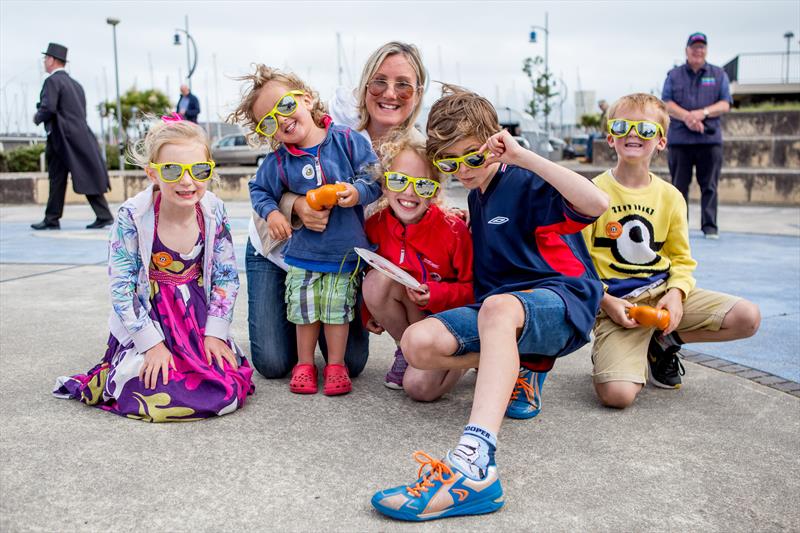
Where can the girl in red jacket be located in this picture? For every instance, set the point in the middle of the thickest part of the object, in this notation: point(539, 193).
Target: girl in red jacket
point(435, 247)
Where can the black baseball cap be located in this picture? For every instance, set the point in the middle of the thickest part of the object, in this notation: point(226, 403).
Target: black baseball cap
point(697, 37)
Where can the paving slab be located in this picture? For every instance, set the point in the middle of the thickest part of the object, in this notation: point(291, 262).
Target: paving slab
point(720, 454)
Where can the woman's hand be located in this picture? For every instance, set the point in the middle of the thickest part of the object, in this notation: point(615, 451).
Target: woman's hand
point(420, 299)
point(158, 358)
point(220, 350)
point(279, 228)
point(616, 308)
point(348, 197)
point(672, 302)
point(313, 220)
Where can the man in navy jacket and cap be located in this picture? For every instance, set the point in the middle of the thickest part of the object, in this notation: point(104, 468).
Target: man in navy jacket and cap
point(71, 146)
point(697, 94)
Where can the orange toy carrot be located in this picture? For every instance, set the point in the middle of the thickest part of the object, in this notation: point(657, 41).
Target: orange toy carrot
point(324, 197)
point(649, 316)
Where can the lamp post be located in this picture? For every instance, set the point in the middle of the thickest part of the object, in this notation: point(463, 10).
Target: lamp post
point(120, 135)
point(191, 65)
point(546, 69)
point(788, 36)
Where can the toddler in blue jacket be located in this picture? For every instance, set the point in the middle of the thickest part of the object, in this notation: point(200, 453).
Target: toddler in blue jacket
point(310, 151)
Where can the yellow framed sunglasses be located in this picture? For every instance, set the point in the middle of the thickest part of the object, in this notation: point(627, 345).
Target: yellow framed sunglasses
point(399, 182)
point(285, 106)
point(172, 172)
point(449, 165)
point(645, 129)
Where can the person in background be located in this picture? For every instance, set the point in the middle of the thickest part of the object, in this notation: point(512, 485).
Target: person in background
point(72, 148)
point(697, 94)
point(603, 105)
point(188, 105)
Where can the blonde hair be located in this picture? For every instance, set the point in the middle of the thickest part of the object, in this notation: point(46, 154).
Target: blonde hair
point(243, 114)
point(399, 142)
point(640, 102)
point(459, 114)
point(145, 150)
point(411, 53)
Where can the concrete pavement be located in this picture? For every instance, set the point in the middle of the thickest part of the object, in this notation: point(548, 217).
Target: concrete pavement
point(718, 455)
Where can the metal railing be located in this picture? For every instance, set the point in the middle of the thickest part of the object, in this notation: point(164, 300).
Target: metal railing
point(764, 67)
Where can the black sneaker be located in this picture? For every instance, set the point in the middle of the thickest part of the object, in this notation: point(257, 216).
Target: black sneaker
point(665, 364)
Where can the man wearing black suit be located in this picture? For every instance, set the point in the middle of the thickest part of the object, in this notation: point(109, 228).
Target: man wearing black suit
point(188, 105)
point(71, 146)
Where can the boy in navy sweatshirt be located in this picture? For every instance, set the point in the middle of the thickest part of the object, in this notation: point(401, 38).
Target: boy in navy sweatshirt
point(536, 290)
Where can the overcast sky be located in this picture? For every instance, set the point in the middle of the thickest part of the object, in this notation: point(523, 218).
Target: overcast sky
point(612, 48)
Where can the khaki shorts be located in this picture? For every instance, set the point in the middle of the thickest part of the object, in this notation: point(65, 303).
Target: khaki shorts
point(620, 354)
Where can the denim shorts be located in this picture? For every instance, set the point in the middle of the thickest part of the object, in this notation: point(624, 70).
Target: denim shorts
point(546, 330)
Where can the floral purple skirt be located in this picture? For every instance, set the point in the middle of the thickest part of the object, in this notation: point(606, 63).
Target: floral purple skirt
point(196, 390)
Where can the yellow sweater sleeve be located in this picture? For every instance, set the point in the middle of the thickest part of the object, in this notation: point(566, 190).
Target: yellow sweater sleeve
point(677, 250)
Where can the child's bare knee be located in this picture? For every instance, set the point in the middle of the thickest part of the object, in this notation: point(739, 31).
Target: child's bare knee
point(425, 342)
point(617, 394)
point(375, 287)
point(501, 309)
point(747, 319)
point(417, 342)
point(419, 388)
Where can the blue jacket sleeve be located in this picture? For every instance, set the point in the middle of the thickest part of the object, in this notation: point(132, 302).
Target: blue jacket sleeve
point(363, 158)
point(266, 188)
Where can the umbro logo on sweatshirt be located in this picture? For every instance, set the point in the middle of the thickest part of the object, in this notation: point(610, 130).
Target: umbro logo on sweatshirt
point(498, 220)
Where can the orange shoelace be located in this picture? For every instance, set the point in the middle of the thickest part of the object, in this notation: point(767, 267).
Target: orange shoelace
point(437, 469)
point(524, 385)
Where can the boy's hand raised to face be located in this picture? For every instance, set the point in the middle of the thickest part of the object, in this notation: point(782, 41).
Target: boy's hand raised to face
point(348, 197)
point(504, 149)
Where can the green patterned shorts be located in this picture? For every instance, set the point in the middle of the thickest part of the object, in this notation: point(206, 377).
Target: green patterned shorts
point(326, 297)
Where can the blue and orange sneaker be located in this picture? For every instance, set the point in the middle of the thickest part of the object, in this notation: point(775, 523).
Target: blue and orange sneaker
point(442, 490)
point(526, 400)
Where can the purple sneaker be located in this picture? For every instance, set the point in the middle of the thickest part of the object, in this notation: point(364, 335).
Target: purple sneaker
point(394, 377)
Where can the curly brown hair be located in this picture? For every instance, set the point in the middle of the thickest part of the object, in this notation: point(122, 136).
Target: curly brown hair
point(401, 141)
point(262, 75)
point(458, 114)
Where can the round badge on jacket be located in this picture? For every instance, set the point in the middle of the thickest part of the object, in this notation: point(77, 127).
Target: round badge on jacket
point(308, 172)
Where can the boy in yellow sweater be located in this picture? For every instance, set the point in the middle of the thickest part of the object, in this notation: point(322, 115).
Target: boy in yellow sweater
point(640, 247)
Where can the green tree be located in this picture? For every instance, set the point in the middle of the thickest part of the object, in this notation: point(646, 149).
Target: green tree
point(590, 120)
point(148, 102)
point(542, 84)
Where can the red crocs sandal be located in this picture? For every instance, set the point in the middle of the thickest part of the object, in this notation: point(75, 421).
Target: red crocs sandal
point(304, 379)
point(337, 380)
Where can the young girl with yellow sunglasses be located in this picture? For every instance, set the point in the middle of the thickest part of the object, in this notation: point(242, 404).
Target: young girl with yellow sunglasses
point(412, 231)
point(173, 285)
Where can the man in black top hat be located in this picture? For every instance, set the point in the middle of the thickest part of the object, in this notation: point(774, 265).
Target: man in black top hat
point(71, 146)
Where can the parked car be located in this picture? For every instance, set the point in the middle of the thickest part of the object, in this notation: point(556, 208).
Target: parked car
point(557, 147)
point(523, 125)
point(523, 142)
point(234, 150)
point(576, 146)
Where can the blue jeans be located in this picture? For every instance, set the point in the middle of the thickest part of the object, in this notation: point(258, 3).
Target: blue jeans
point(545, 332)
point(273, 339)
